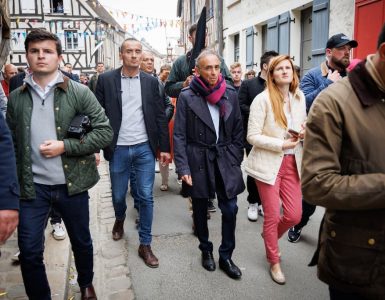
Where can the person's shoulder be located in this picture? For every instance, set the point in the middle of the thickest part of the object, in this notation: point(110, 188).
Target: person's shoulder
point(316, 71)
point(108, 74)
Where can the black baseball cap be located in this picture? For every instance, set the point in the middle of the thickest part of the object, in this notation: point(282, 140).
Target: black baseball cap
point(339, 40)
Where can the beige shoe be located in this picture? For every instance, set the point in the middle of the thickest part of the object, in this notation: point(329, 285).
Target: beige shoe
point(277, 276)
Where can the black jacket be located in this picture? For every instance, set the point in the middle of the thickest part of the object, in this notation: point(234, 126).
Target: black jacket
point(196, 149)
point(9, 187)
point(249, 89)
point(108, 92)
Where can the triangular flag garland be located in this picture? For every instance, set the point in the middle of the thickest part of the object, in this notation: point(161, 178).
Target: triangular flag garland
point(134, 23)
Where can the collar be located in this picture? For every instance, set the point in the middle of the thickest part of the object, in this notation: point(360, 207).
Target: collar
point(365, 86)
point(130, 77)
point(60, 84)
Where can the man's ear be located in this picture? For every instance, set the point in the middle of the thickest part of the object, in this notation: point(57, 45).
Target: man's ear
point(265, 67)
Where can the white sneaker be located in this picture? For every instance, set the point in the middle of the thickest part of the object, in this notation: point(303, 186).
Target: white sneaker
point(252, 212)
point(58, 231)
point(260, 211)
point(15, 257)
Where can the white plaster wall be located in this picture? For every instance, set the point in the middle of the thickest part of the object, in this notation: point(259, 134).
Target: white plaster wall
point(245, 13)
point(341, 17)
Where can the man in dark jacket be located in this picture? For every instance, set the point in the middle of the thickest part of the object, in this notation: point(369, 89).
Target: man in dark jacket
point(208, 154)
point(9, 187)
point(133, 104)
point(249, 89)
point(338, 49)
point(180, 77)
point(343, 170)
point(53, 169)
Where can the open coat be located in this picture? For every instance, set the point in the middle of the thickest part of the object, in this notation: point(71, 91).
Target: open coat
point(196, 148)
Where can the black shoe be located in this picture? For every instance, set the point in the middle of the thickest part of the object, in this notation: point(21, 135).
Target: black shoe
point(230, 268)
point(293, 235)
point(210, 206)
point(208, 261)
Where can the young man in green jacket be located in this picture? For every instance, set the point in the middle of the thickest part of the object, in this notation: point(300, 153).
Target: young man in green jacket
point(54, 170)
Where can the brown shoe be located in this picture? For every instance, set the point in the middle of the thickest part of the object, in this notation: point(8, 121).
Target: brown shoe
point(88, 293)
point(148, 257)
point(118, 230)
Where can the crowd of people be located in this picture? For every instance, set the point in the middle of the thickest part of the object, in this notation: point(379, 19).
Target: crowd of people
point(301, 143)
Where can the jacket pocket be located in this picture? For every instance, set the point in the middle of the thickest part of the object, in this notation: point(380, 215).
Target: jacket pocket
point(352, 254)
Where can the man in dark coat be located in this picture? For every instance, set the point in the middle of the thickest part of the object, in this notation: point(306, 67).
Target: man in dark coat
point(9, 188)
point(208, 154)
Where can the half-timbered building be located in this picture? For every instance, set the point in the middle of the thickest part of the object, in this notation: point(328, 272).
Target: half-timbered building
point(88, 33)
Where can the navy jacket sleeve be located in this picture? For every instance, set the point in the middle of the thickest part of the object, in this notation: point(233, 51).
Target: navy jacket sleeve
point(9, 187)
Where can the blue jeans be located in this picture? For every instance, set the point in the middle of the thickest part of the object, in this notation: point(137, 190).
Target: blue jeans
point(33, 219)
point(140, 159)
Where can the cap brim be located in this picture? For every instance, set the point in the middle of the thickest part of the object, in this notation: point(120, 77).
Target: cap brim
point(352, 43)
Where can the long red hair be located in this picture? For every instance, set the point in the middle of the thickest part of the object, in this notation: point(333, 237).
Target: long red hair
point(276, 97)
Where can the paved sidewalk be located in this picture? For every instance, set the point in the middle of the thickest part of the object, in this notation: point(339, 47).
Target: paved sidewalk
point(112, 276)
point(56, 258)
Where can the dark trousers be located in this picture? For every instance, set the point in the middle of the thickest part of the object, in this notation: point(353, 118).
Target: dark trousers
point(55, 216)
point(307, 211)
point(340, 295)
point(253, 196)
point(229, 211)
point(33, 219)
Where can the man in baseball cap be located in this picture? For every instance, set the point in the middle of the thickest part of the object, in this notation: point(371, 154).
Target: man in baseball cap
point(317, 79)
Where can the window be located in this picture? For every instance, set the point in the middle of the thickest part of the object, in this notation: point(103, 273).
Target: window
point(71, 39)
point(17, 39)
point(56, 6)
point(236, 47)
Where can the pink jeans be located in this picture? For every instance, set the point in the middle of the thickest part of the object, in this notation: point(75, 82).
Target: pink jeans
point(287, 187)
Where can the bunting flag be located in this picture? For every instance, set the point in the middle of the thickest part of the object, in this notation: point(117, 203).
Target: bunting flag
point(134, 23)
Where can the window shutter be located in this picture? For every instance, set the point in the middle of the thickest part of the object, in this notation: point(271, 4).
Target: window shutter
point(320, 30)
point(249, 47)
point(46, 6)
point(284, 33)
point(67, 6)
point(27, 6)
point(272, 34)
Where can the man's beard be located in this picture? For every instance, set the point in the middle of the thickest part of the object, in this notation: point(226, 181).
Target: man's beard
point(342, 63)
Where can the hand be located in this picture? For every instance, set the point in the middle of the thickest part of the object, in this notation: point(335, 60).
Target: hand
point(8, 223)
point(164, 158)
point(187, 81)
point(290, 143)
point(187, 179)
point(302, 131)
point(334, 76)
point(97, 159)
point(52, 148)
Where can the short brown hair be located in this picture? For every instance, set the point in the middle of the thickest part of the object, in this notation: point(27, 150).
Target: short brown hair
point(37, 35)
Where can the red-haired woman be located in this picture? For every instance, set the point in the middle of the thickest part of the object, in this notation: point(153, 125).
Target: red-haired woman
point(277, 117)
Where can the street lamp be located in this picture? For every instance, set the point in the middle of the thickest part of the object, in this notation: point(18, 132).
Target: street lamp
point(169, 53)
